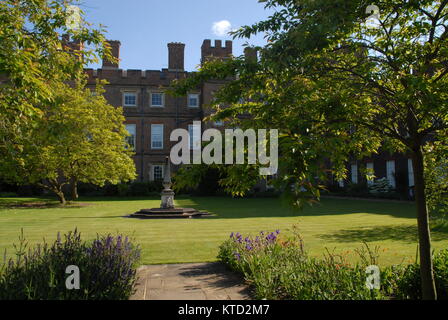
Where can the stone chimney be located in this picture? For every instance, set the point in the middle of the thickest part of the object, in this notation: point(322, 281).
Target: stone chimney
point(251, 54)
point(115, 50)
point(176, 53)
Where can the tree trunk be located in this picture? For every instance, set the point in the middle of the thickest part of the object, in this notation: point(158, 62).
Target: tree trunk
point(57, 189)
point(426, 266)
point(61, 197)
point(74, 189)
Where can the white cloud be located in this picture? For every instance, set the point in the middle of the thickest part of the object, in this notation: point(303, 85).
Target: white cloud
point(221, 28)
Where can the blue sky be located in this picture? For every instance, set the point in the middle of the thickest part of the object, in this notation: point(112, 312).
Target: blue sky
point(144, 27)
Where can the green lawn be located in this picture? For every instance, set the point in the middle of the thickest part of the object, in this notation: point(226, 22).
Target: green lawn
point(334, 223)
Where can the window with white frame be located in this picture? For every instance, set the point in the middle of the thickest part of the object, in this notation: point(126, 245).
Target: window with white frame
point(130, 99)
point(157, 172)
point(157, 136)
point(130, 140)
point(390, 172)
point(354, 173)
point(410, 173)
point(194, 133)
point(157, 99)
point(370, 173)
point(193, 100)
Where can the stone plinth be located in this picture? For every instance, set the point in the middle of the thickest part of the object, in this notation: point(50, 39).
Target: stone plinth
point(173, 213)
point(167, 199)
point(167, 209)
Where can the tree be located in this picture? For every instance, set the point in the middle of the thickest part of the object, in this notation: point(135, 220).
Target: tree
point(338, 88)
point(79, 138)
point(34, 59)
point(103, 157)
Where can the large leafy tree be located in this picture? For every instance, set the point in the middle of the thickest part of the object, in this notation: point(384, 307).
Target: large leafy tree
point(33, 54)
point(36, 63)
point(339, 88)
point(79, 138)
point(34, 58)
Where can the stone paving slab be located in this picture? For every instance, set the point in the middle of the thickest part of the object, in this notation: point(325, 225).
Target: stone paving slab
point(191, 281)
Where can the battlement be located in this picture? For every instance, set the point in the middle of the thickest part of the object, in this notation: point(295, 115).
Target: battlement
point(207, 44)
point(134, 76)
point(113, 73)
point(217, 51)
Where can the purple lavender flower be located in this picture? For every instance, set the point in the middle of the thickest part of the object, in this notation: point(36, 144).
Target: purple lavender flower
point(237, 256)
point(248, 247)
point(231, 235)
point(277, 231)
point(271, 237)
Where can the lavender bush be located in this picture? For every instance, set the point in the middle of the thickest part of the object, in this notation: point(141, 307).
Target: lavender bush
point(107, 269)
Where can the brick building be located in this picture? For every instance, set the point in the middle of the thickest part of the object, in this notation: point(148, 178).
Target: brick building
point(151, 113)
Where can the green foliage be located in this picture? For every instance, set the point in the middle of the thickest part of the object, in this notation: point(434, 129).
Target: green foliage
point(145, 188)
point(236, 180)
point(281, 269)
point(132, 189)
point(123, 189)
point(436, 177)
point(8, 194)
point(338, 89)
point(356, 188)
point(409, 284)
point(107, 269)
point(80, 138)
point(137, 189)
point(334, 88)
point(208, 185)
point(381, 185)
point(40, 114)
point(33, 59)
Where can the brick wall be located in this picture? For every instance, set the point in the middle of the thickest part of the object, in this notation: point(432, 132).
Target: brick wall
point(174, 114)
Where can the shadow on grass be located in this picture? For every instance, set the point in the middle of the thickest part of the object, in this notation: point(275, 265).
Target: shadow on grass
point(97, 217)
point(381, 233)
point(439, 225)
point(231, 208)
point(38, 203)
point(119, 199)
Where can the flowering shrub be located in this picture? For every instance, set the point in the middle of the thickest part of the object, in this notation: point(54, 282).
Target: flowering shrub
point(279, 268)
point(107, 269)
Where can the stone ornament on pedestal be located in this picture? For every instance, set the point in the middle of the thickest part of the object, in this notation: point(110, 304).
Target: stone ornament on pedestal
point(167, 209)
point(167, 194)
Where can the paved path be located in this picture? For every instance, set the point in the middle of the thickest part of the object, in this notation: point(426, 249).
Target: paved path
point(192, 281)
